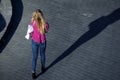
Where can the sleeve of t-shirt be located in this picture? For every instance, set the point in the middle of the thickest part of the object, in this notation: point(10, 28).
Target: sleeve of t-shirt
point(46, 27)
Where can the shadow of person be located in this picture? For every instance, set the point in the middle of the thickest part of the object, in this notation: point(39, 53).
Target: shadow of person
point(2, 23)
point(95, 28)
point(17, 10)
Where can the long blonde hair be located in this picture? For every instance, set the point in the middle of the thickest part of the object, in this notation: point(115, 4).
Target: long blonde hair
point(38, 17)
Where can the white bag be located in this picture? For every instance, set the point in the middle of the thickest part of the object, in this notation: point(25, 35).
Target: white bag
point(29, 30)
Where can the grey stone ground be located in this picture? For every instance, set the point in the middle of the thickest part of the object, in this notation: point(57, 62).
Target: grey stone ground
point(96, 59)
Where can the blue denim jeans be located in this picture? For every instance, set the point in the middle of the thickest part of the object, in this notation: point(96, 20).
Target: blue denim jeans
point(35, 49)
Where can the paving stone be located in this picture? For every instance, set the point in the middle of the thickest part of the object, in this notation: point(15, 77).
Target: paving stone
point(73, 51)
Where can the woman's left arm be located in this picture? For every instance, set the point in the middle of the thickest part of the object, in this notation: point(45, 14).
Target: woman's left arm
point(46, 27)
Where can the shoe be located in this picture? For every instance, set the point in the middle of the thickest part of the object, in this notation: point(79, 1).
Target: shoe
point(43, 69)
point(33, 75)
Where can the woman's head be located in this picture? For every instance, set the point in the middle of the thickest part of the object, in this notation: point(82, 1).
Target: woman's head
point(38, 17)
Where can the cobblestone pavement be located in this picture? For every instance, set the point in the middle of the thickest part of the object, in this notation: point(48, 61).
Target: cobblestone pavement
point(82, 42)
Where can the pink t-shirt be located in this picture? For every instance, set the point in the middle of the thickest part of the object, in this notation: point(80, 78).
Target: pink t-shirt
point(36, 35)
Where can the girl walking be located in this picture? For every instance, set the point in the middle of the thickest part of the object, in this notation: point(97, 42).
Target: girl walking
point(40, 27)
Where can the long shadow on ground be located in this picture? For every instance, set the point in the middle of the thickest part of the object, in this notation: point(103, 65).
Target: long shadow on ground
point(95, 28)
